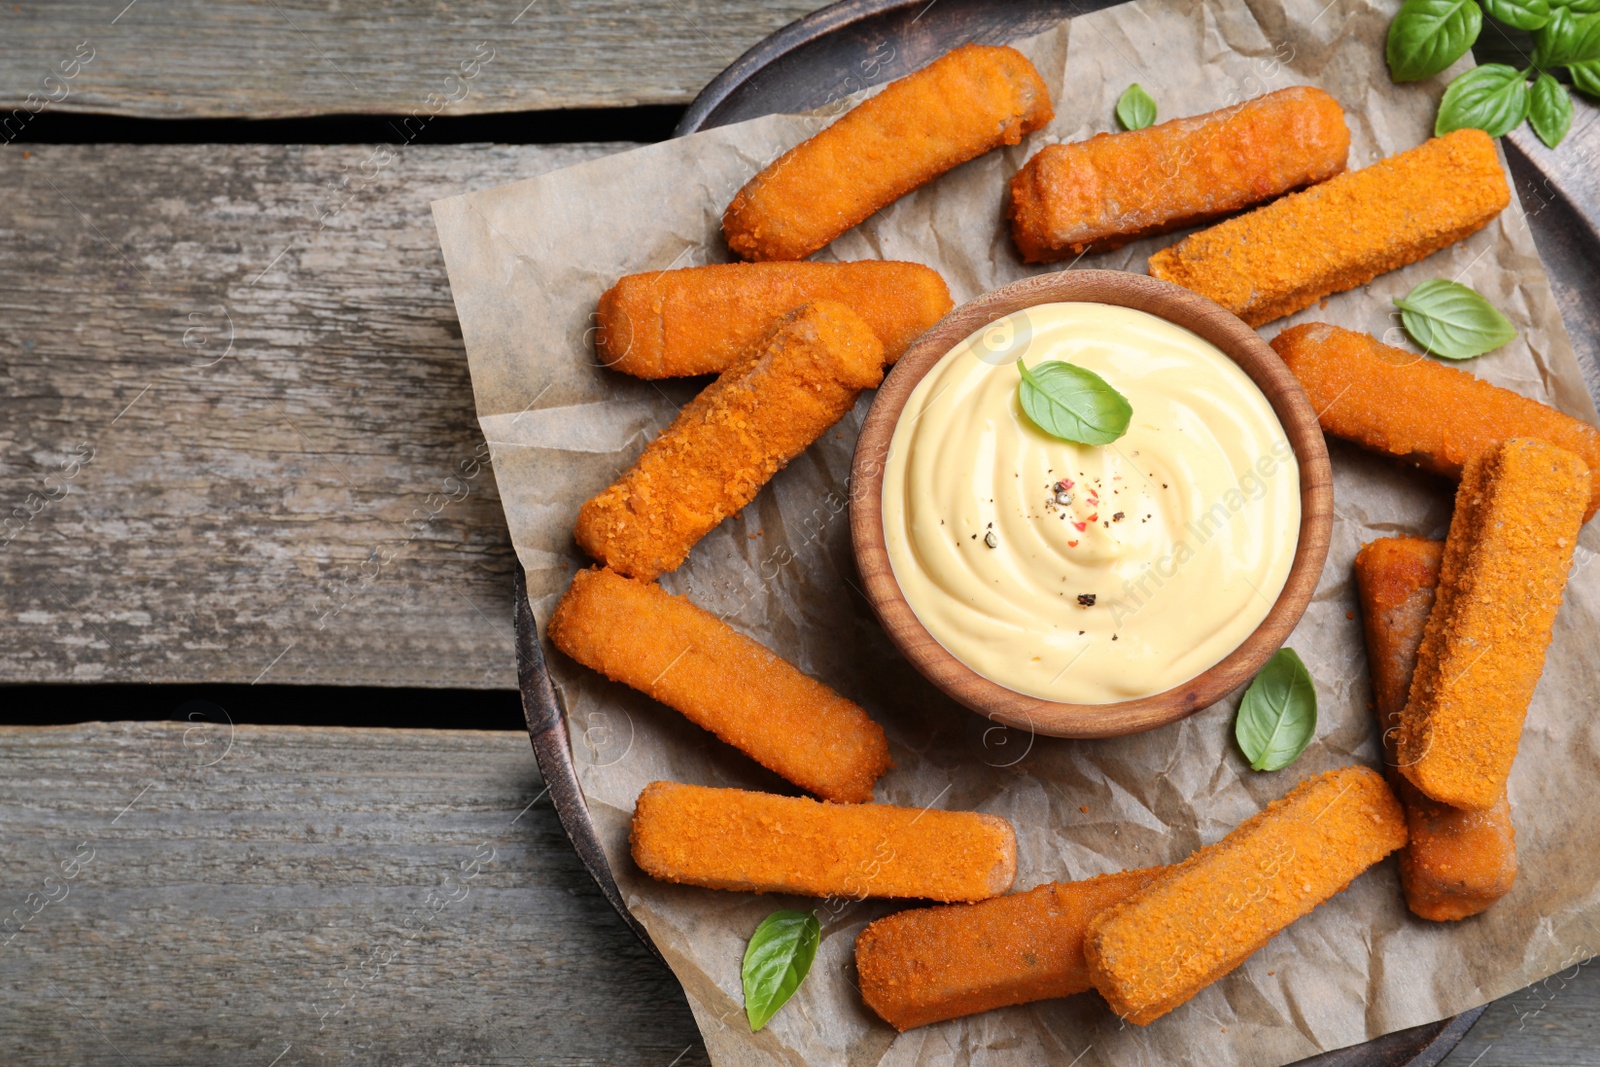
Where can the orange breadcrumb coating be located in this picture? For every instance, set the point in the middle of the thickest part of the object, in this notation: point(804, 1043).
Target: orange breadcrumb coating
point(697, 320)
point(1102, 193)
point(662, 645)
point(1168, 941)
point(781, 395)
point(955, 109)
point(761, 843)
point(1345, 232)
point(931, 964)
point(1429, 415)
point(1456, 862)
point(1512, 536)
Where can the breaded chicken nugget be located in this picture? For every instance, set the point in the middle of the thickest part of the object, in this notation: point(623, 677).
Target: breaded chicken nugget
point(1456, 862)
point(1335, 236)
point(1505, 566)
point(698, 320)
point(955, 109)
point(1168, 941)
point(761, 843)
point(781, 395)
point(1429, 415)
point(931, 964)
point(1104, 192)
point(662, 645)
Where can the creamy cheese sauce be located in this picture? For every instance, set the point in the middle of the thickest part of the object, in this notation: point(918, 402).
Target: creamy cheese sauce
point(1090, 574)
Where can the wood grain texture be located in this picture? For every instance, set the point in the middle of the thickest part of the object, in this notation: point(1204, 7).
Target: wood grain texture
point(247, 59)
point(319, 896)
point(314, 504)
point(1058, 719)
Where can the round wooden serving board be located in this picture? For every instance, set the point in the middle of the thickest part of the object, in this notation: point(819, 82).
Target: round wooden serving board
point(854, 44)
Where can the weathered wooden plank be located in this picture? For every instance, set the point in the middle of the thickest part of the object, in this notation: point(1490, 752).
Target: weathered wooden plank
point(238, 411)
point(192, 892)
point(243, 58)
point(307, 897)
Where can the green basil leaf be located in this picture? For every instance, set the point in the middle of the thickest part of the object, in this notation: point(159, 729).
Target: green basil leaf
point(1577, 7)
point(1522, 14)
point(776, 962)
point(1566, 39)
point(1074, 404)
point(1450, 320)
point(1278, 714)
point(1550, 110)
point(1492, 98)
point(1136, 109)
point(1429, 35)
point(1586, 78)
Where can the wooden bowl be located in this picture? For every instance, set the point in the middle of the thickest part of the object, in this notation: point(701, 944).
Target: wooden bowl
point(1182, 308)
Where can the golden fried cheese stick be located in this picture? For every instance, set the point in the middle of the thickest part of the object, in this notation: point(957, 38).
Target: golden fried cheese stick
point(1430, 415)
point(1456, 862)
point(781, 395)
point(1285, 256)
point(697, 320)
point(1512, 536)
point(662, 645)
point(930, 964)
point(1168, 941)
point(958, 107)
point(1104, 192)
point(761, 843)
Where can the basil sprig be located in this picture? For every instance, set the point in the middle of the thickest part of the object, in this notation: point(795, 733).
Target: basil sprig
point(776, 961)
point(1427, 36)
point(1136, 108)
point(1072, 403)
point(1448, 319)
point(1278, 715)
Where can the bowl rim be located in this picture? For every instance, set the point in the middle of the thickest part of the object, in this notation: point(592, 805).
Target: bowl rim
point(1176, 305)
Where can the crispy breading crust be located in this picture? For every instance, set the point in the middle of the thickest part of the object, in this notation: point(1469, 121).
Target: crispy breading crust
point(698, 320)
point(725, 444)
point(1287, 255)
point(1505, 566)
point(1099, 194)
point(1168, 941)
point(924, 966)
point(662, 645)
point(955, 109)
point(761, 843)
point(1425, 413)
point(1456, 862)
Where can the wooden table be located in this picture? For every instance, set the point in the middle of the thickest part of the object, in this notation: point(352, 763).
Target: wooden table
point(238, 421)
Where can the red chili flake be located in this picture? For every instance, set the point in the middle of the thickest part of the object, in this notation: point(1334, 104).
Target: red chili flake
point(1072, 544)
point(1095, 517)
point(1081, 526)
point(1064, 484)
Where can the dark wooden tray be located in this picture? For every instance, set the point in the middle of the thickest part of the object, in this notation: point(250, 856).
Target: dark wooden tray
point(851, 45)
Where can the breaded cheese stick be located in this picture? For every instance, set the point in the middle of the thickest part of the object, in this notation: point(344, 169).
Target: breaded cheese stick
point(956, 108)
point(697, 320)
point(1456, 862)
point(781, 395)
point(662, 645)
point(930, 964)
point(761, 843)
point(1102, 193)
point(1426, 413)
point(1168, 941)
point(1505, 565)
point(1285, 256)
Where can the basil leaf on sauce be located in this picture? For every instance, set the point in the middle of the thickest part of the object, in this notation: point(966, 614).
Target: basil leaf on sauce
point(1278, 714)
point(1449, 320)
point(776, 961)
point(1550, 110)
point(1136, 109)
point(1492, 98)
point(1522, 14)
point(1429, 35)
point(1074, 404)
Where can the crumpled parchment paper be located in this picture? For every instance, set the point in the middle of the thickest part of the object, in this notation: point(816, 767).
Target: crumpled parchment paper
point(527, 263)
